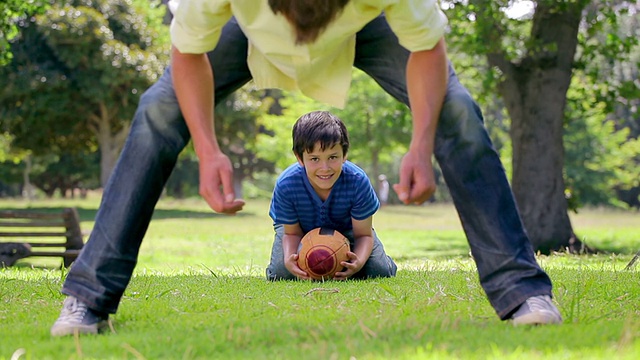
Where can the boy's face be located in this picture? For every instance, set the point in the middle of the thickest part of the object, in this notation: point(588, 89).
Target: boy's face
point(323, 167)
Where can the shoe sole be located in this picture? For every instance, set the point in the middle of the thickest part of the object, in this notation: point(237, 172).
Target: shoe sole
point(79, 329)
point(538, 318)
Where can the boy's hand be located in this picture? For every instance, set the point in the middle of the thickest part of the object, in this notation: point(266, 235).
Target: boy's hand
point(352, 267)
point(291, 263)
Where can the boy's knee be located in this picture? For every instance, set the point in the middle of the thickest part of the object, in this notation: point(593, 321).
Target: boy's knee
point(375, 269)
point(275, 273)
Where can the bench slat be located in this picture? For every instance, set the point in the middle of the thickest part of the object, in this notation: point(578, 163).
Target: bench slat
point(32, 234)
point(55, 253)
point(41, 245)
point(32, 224)
point(27, 215)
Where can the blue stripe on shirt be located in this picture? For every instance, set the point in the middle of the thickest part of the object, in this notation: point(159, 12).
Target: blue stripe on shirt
point(295, 201)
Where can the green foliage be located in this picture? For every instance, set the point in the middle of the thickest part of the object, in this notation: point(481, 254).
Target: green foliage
point(11, 11)
point(276, 145)
point(77, 69)
point(599, 157)
point(610, 60)
point(237, 126)
point(379, 125)
point(108, 48)
point(496, 33)
point(6, 154)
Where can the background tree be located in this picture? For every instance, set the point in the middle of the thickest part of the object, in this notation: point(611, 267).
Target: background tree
point(599, 158)
point(532, 59)
point(237, 127)
point(77, 73)
point(612, 80)
point(10, 12)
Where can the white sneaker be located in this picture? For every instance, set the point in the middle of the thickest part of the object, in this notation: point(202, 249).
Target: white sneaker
point(537, 310)
point(76, 317)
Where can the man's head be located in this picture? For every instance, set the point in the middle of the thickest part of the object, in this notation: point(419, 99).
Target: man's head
point(308, 17)
point(319, 127)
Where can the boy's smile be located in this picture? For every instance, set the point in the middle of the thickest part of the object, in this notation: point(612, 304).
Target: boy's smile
point(323, 167)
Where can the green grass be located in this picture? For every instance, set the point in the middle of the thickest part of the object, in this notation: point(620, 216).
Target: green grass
point(199, 293)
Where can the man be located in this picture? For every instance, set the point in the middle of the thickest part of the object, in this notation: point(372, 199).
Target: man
point(309, 46)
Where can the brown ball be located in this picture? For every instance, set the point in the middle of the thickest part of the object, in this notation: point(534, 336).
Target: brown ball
point(321, 253)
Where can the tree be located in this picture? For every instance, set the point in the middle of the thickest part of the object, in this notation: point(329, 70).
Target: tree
point(532, 59)
point(77, 73)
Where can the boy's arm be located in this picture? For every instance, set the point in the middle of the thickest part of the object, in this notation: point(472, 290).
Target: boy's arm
point(290, 241)
point(362, 247)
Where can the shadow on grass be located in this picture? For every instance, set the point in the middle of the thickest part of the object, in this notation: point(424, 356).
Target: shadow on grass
point(89, 214)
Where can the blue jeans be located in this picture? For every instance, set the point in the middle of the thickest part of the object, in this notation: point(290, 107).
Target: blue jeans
point(471, 167)
point(379, 263)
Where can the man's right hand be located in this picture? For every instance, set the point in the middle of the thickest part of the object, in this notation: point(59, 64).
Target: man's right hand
point(216, 184)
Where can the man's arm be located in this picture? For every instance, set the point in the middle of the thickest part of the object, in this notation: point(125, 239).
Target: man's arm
point(194, 83)
point(427, 76)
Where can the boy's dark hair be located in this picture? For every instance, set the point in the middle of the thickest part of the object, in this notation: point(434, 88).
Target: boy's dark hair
point(319, 126)
point(308, 17)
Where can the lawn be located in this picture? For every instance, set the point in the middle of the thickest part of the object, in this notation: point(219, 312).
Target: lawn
point(199, 293)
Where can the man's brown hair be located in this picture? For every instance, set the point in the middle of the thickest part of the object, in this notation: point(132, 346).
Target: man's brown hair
point(308, 17)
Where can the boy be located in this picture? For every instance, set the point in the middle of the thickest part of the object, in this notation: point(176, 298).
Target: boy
point(324, 189)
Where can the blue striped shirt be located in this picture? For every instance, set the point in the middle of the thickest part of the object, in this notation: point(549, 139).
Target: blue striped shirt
point(295, 201)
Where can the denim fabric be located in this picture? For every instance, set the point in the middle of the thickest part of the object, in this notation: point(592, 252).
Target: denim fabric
point(379, 263)
point(504, 257)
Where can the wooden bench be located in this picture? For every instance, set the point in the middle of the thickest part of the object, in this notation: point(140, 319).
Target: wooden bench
point(39, 234)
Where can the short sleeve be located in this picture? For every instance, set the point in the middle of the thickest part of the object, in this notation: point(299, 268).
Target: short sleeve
point(418, 24)
point(366, 201)
point(197, 24)
point(282, 209)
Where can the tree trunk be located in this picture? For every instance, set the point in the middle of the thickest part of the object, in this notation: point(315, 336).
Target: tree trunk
point(237, 184)
point(374, 150)
point(110, 143)
point(534, 91)
point(28, 191)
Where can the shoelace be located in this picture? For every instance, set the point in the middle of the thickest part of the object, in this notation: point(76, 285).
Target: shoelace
point(73, 311)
